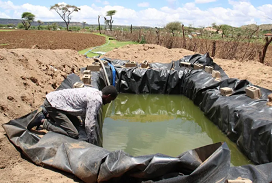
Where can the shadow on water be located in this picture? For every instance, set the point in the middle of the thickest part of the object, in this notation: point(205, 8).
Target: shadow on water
point(167, 124)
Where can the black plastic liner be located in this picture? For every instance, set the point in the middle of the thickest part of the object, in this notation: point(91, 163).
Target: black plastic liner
point(244, 120)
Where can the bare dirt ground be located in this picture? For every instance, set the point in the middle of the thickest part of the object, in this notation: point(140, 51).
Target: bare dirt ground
point(49, 40)
point(27, 75)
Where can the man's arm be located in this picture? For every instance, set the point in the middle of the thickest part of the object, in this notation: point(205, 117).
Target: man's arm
point(91, 120)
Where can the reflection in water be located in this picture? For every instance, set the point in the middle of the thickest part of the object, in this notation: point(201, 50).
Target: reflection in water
point(167, 124)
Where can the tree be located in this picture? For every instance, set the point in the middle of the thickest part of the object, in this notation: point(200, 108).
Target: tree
point(99, 24)
point(27, 19)
point(110, 13)
point(263, 53)
point(39, 24)
point(225, 30)
point(54, 26)
point(190, 28)
point(83, 25)
point(20, 26)
point(65, 12)
point(107, 23)
point(174, 26)
point(216, 27)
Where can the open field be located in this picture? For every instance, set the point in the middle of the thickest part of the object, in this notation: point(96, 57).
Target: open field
point(27, 75)
point(49, 40)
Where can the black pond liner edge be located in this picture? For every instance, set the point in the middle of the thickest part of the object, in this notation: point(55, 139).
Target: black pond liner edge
point(244, 120)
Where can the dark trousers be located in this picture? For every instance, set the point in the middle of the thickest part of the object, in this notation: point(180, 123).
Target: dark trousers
point(61, 121)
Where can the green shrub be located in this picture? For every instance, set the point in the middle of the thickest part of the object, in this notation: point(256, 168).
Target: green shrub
point(20, 26)
point(143, 41)
point(74, 28)
point(54, 26)
point(11, 25)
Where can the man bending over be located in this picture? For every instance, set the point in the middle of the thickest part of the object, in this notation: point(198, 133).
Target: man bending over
point(63, 107)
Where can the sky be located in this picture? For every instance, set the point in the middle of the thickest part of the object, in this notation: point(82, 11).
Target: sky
point(153, 13)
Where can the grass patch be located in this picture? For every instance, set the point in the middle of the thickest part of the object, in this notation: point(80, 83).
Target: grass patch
point(5, 30)
point(108, 46)
point(3, 44)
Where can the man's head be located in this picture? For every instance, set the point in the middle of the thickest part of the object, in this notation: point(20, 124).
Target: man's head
point(109, 93)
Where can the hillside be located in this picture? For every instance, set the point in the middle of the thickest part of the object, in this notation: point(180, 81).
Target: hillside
point(264, 27)
point(6, 21)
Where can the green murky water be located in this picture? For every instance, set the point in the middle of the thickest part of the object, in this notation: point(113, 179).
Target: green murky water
point(167, 124)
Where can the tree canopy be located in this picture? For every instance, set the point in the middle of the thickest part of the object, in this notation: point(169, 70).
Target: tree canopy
point(110, 13)
point(39, 24)
point(27, 19)
point(226, 29)
point(174, 26)
point(65, 11)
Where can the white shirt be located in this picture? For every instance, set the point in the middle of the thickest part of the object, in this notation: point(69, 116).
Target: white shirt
point(84, 102)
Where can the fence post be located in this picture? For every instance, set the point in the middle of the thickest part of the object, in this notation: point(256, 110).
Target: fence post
point(262, 55)
point(213, 48)
point(139, 36)
point(158, 35)
point(183, 34)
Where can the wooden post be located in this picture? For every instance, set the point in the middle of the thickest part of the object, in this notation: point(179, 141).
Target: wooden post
point(262, 55)
point(183, 34)
point(158, 35)
point(213, 48)
point(139, 36)
point(99, 24)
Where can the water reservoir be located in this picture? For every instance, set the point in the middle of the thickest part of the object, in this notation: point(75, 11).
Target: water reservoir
point(169, 124)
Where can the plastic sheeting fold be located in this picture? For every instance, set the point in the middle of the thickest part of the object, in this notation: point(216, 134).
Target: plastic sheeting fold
point(244, 120)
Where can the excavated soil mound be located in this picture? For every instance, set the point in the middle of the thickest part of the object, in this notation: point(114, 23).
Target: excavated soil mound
point(257, 73)
point(26, 76)
point(150, 52)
